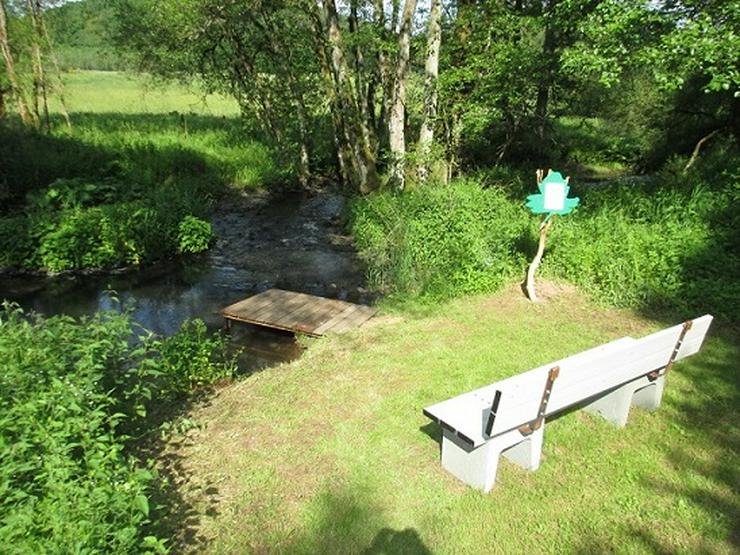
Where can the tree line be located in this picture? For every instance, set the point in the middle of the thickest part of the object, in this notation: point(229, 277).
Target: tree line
point(31, 69)
point(406, 90)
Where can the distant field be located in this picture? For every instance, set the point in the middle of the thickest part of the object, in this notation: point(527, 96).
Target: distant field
point(112, 91)
point(124, 113)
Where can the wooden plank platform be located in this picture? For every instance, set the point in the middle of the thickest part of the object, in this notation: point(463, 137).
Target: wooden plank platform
point(299, 312)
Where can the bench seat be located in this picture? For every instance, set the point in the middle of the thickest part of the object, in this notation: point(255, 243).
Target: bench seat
point(608, 379)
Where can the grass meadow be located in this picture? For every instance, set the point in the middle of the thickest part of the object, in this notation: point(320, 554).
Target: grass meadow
point(331, 453)
point(141, 131)
point(120, 188)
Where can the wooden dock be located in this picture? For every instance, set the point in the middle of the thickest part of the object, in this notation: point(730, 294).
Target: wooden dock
point(298, 312)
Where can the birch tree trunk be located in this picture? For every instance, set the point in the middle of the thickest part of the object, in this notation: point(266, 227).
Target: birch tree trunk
point(396, 123)
point(431, 71)
point(361, 168)
point(15, 88)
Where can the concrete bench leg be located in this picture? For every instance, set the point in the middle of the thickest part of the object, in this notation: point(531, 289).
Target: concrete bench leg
point(650, 396)
point(477, 466)
point(615, 405)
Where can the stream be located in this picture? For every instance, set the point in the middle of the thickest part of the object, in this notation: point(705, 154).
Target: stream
point(293, 242)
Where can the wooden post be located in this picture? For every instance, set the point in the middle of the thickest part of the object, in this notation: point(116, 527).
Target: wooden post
point(529, 287)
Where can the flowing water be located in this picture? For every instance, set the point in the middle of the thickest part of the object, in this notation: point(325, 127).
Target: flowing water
point(293, 242)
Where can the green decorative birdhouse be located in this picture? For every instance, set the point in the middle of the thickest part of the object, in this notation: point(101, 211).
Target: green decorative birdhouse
point(553, 197)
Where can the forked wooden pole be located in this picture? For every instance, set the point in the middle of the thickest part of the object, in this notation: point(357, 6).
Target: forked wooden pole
point(529, 287)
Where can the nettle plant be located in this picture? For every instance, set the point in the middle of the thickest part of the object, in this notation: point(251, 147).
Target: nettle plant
point(194, 235)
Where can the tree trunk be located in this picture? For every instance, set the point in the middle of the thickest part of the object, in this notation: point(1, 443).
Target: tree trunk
point(37, 67)
point(396, 124)
point(57, 69)
point(304, 170)
point(15, 88)
point(383, 76)
point(529, 287)
point(431, 70)
point(545, 84)
point(361, 168)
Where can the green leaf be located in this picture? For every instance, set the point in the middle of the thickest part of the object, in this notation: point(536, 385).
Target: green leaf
point(142, 503)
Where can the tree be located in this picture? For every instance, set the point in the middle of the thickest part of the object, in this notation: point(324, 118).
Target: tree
point(397, 119)
point(431, 73)
point(15, 87)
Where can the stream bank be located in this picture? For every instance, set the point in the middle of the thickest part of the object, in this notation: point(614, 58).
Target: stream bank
point(292, 241)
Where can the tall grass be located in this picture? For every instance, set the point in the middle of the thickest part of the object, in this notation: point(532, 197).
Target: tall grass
point(439, 242)
point(670, 243)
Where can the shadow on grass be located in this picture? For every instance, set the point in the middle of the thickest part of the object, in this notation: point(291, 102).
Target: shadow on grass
point(707, 416)
point(344, 522)
point(129, 147)
point(174, 517)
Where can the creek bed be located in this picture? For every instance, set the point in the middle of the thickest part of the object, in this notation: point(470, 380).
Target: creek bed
point(293, 242)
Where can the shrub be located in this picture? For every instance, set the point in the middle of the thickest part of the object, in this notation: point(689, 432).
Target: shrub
point(194, 235)
point(440, 241)
point(66, 485)
point(16, 244)
point(70, 391)
point(669, 244)
point(191, 359)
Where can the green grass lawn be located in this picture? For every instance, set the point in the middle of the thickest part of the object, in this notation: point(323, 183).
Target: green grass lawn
point(331, 453)
point(124, 113)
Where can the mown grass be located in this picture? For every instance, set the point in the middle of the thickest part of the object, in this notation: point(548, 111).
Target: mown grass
point(331, 454)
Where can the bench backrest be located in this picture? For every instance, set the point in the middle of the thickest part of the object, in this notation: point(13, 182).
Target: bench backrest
point(581, 377)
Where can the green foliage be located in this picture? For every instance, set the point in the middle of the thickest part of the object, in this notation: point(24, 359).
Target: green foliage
point(192, 359)
point(116, 192)
point(669, 244)
point(70, 391)
point(194, 235)
point(82, 35)
point(439, 242)
point(66, 484)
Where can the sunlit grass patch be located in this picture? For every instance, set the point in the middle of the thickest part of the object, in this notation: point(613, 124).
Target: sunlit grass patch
point(332, 454)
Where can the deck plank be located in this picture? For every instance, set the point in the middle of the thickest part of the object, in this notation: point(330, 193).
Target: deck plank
point(298, 312)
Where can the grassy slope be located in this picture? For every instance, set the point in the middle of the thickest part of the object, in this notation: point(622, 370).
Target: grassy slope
point(331, 454)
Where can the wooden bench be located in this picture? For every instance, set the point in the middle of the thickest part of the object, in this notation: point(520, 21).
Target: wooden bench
point(508, 417)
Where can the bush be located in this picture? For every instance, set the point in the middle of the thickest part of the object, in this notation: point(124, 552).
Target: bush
point(194, 235)
point(66, 485)
point(72, 227)
point(70, 391)
point(669, 243)
point(191, 359)
point(438, 242)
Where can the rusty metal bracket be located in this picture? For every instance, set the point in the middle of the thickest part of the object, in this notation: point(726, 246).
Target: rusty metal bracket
point(535, 424)
point(655, 374)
